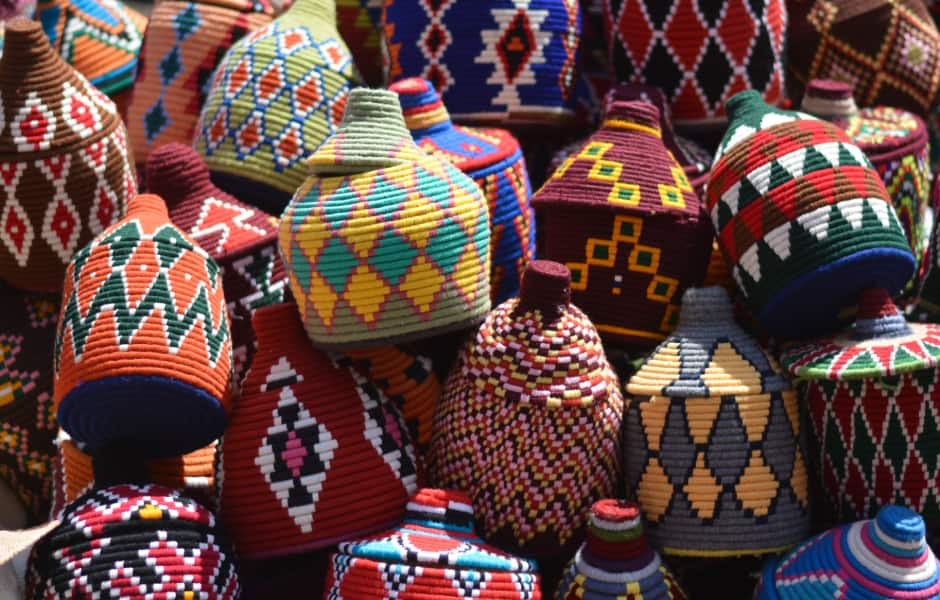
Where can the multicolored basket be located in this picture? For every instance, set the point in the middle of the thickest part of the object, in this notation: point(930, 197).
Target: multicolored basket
point(241, 239)
point(100, 38)
point(896, 143)
point(693, 158)
point(385, 243)
point(184, 43)
point(134, 542)
point(27, 414)
point(886, 557)
point(927, 307)
point(713, 448)
point(193, 474)
point(803, 218)
point(616, 561)
point(493, 159)
point(406, 377)
point(314, 453)
point(888, 50)
point(699, 53)
point(275, 97)
point(433, 554)
point(532, 399)
point(873, 397)
point(360, 24)
point(495, 61)
point(64, 164)
point(143, 353)
point(623, 217)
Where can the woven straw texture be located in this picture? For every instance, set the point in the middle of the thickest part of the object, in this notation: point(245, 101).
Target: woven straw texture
point(101, 39)
point(134, 542)
point(143, 353)
point(433, 554)
point(712, 434)
point(886, 557)
point(693, 158)
point(928, 302)
point(64, 164)
point(277, 94)
point(384, 243)
point(888, 49)
point(497, 61)
point(184, 43)
point(193, 473)
point(895, 142)
point(406, 377)
point(873, 400)
point(360, 23)
point(532, 398)
point(241, 239)
point(699, 53)
point(623, 217)
point(27, 414)
point(616, 560)
point(309, 444)
point(802, 218)
point(493, 159)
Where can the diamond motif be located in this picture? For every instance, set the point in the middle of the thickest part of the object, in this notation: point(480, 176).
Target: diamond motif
point(81, 115)
point(249, 136)
point(270, 83)
point(16, 231)
point(293, 40)
point(385, 430)
point(713, 73)
point(61, 226)
point(519, 43)
point(662, 71)
point(155, 120)
point(104, 211)
point(296, 453)
point(307, 94)
point(34, 125)
point(288, 147)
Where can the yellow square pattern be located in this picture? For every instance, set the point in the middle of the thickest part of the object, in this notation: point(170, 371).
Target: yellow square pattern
point(682, 182)
point(579, 275)
point(662, 289)
point(627, 229)
point(624, 194)
point(595, 150)
point(601, 252)
point(606, 170)
point(644, 259)
point(671, 196)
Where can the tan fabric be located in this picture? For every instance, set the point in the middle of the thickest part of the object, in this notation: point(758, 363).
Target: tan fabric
point(14, 551)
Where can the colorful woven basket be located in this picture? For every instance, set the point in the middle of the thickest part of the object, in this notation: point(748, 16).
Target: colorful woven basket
point(184, 43)
point(193, 474)
point(496, 61)
point(134, 542)
point(928, 302)
point(713, 448)
point(493, 159)
point(275, 97)
point(693, 158)
point(886, 557)
point(895, 142)
point(27, 414)
point(314, 453)
point(623, 217)
point(532, 399)
point(699, 53)
point(64, 163)
point(406, 377)
point(100, 38)
point(360, 23)
point(143, 353)
point(802, 217)
point(874, 404)
point(888, 50)
point(433, 554)
point(384, 243)
point(241, 239)
point(616, 561)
